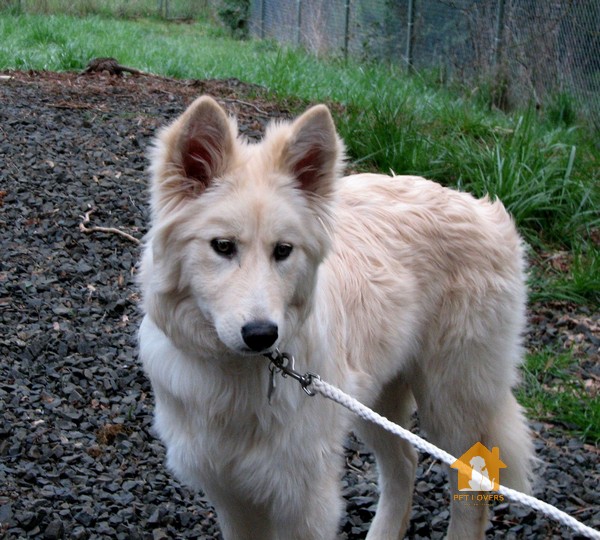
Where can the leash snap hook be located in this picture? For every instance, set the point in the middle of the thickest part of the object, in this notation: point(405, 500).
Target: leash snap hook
point(284, 363)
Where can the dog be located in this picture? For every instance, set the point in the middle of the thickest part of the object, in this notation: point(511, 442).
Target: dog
point(399, 291)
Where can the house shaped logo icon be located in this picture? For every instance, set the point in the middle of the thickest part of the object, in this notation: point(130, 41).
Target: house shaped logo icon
point(487, 463)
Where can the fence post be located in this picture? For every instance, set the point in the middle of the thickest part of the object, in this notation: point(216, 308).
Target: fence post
point(298, 22)
point(410, 38)
point(499, 34)
point(501, 81)
point(346, 29)
point(262, 19)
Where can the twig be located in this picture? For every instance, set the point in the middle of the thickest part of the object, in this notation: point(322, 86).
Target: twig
point(110, 230)
point(112, 66)
point(73, 105)
point(246, 103)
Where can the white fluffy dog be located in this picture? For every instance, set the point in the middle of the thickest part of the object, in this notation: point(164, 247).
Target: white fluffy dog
point(395, 289)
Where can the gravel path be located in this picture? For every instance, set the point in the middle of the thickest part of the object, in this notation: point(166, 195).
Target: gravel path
point(78, 457)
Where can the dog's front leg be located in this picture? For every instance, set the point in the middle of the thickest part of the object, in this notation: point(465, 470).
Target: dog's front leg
point(304, 503)
point(314, 514)
point(242, 521)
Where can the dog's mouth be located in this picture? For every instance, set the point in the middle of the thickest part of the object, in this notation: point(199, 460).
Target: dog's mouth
point(246, 351)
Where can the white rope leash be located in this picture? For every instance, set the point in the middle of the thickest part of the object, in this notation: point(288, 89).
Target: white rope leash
point(335, 394)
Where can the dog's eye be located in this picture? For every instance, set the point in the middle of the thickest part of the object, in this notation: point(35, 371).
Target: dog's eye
point(223, 247)
point(282, 251)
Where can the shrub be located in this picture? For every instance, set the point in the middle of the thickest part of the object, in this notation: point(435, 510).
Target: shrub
point(235, 15)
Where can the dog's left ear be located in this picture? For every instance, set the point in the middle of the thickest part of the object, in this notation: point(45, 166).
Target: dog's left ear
point(314, 152)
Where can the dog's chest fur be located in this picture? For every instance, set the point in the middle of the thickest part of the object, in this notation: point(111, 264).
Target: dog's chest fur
point(220, 429)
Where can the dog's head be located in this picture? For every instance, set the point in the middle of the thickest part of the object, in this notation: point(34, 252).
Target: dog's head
point(239, 229)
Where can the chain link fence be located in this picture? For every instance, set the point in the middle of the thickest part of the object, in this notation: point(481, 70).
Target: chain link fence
point(523, 50)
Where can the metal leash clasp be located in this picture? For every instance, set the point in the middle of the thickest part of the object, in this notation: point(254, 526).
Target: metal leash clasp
point(284, 363)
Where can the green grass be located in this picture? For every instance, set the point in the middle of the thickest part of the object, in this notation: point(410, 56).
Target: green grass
point(577, 278)
point(544, 167)
point(551, 391)
point(130, 8)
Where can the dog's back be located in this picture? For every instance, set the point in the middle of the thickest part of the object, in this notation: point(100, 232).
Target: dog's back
point(424, 266)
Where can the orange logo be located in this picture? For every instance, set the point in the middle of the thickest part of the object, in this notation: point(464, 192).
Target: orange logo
point(483, 461)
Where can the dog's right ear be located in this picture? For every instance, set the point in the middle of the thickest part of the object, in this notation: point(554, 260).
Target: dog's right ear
point(192, 152)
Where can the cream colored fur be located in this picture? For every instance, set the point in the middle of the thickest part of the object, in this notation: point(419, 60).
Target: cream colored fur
point(396, 289)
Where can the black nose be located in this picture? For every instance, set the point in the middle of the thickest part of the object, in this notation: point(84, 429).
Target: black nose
point(259, 335)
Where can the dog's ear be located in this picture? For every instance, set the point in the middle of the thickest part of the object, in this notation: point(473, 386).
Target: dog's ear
point(205, 140)
point(192, 152)
point(314, 152)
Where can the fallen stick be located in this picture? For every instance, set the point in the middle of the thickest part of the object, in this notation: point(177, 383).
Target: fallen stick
point(110, 230)
point(111, 65)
